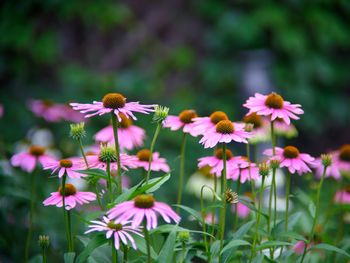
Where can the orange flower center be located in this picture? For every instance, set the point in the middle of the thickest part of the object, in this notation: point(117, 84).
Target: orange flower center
point(218, 116)
point(115, 226)
point(36, 150)
point(186, 116)
point(219, 154)
point(274, 101)
point(254, 119)
point(345, 153)
point(225, 127)
point(144, 155)
point(290, 152)
point(69, 189)
point(144, 201)
point(114, 101)
point(66, 163)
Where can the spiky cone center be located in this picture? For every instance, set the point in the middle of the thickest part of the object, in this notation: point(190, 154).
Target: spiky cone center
point(66, 163)
point(183, 236)
point(125, 121)
point(347, 188)
point(291, 152)
point(345, 153)
point(225, 127)
point(231, 197)
point(218, 116)
point(69, 189)
point(219, 154)
point(274, 101)
point(144, 201)
point(144, 155)
point(107, 154)
point(113, 101)
point(47, 103)
point(254, 119)
point(114, 226)
point(37, 150)
point(326, 159)
point(264, 169)
point(186, 116)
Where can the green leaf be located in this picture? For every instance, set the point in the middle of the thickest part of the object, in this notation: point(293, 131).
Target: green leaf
point(94, 243)
point(192, 212)
point(258, 259)
point(167, 252)
point(269, 244)
point(247, 202)
point(280, 226)
point(329, 247)
point(243, 230)
point(168, 228)
point(312, 209)
point(69, 257)
point(141, 245)
point(154, 184)
point(235, 243)
point(94, 172)
point(292, 235)
point(215, 249)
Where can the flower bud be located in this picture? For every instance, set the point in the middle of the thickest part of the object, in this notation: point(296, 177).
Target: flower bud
point(160, 113)
point(44, 241)
point(274, 163)
point(183, 236)
point(249, 127)
point(264, 169)
point(107, 154)
point(231, 197)
point(77, 131)
point(326, 160)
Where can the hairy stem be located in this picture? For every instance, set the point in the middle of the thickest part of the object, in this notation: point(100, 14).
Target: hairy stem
point(117, 150)
point(182, 171)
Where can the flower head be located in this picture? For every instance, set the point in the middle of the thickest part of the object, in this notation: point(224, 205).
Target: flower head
point(273, 106)
point(65, 166)
point(44, 241)
point(203, 124)
point(157, 163)
point(130, 136)
point(343, 196)
point(247, 170)
point(115, 103)
point(224, 131)
point(183, 120)
point(71, 196)
point(160, 113)
point(77, 130)
point(291, 158)
point(120, 232)
point(29, 159)
point(143, 207)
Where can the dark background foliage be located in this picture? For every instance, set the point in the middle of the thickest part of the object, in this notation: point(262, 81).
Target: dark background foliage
point(206, 55)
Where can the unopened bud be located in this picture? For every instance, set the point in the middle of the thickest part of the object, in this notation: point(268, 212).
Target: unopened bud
point(160, 113)
point(107, 154)
point(274, 163)
point(249, 127)
point(183, 236)
point(44, 241)
point(77, 131)
point(326, 160)
point(264, 169)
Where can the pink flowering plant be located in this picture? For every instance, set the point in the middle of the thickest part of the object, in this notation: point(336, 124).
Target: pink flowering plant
point(242, 202)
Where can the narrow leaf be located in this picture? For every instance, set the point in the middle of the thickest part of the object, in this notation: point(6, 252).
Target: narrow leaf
point(235, 243)
point(329, 247)
point(167, 252)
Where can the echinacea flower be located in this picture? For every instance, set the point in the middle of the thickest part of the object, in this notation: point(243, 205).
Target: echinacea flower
point(203, 124)
point(28, 160)
point(273, 106)
point(183, 120)
point(65, 166)
point(242, 210)
point(119, 232)
point(143, 207)
point(291, 158)
point(261, 128)
point(217, 164)
point(113, 103)
point(224, 131)
point(157, 163)
point(130, 136)
point(72, 197)
point(286, 130)
point(343, 196)
point(247, 170)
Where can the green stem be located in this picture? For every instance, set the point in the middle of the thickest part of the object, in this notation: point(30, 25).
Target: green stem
point(109, 182)
point(63, 189)
point(44, 255)
point(316, 212)
point(223, 209)
point(238, 186)
point(98, 198)
point(287, 198)
point(270, 201)
point(82, 152)
point(154, 139)
point(114, 253)
point(182, 171)
point(148, 245)
point(125, 257)
point(116, 142)
point(70, 231)
point(257, 220)
point(183, 245)
point(31, 214)
point(203, 222)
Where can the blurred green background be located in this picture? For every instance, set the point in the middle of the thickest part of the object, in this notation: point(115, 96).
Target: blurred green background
point(206, 55)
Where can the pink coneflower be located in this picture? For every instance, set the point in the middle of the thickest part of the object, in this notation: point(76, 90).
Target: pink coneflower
point(242, 210)
point(95, 161)
point(285, 130)
point(224, 132)
point(183, 120)
point(157, 163)
point(143, 207)
point(72, 197)
point(203, 124)
point(274, 106)
point(130, 136)
point(261, 128)
point(65, 166)
point(28, 160)
point(343, 196)
point(247, 170)
point(291, 158)
point(216, 163)
point(113, 102)
point(119, 232)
